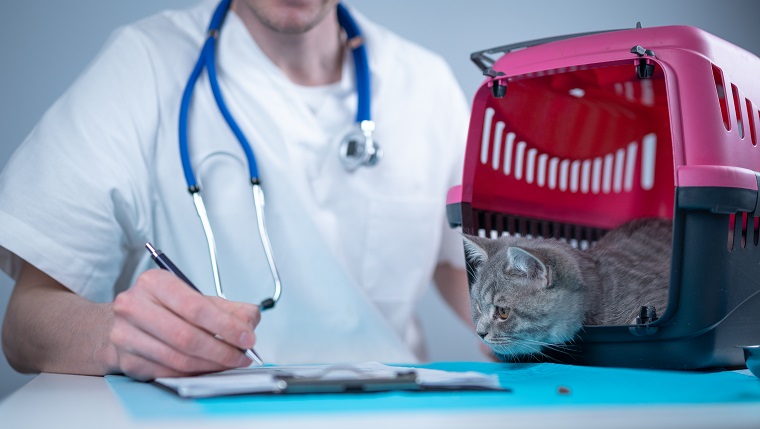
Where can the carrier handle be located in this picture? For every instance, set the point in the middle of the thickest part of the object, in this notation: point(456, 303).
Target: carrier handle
point(484, 62)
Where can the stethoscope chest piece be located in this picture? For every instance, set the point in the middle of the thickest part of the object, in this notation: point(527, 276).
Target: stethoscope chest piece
point(359, 147)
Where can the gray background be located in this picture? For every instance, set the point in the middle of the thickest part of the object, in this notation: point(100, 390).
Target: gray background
point(46, 43)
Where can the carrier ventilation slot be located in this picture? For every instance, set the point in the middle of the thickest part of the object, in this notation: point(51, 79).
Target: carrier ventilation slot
point(495, 225)
point(612, 172)
point(743, 231)
point(744, 122)
point(751, 120)
point(549, 72)
point(721, 89)
point(738, 109)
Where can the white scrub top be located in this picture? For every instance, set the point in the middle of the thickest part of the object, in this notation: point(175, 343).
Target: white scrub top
point(100, 176)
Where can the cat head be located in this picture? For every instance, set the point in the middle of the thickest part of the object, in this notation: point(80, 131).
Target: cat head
point(526, 294)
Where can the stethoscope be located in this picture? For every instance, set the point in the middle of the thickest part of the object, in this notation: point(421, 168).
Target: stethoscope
point(356, 149)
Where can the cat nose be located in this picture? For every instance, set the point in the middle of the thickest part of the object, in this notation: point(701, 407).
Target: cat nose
point(482, 335)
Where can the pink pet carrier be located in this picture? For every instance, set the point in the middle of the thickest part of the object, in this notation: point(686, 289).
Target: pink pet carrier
point(572, 136)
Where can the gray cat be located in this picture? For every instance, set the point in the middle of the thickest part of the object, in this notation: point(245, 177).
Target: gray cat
point(530, 294)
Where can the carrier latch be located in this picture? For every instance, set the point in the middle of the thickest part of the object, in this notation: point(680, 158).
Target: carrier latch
point(644, 69)
point(647, 315)
point(498, 89)
point(643, 326)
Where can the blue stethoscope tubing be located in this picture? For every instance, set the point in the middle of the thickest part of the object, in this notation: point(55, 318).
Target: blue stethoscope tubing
point(361, 64)
point(207, 60)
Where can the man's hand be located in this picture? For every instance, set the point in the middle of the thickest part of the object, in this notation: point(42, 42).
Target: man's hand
point(164, 328)
point(159, 327)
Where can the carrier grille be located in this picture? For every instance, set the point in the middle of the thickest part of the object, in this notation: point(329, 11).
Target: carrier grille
point(494, 225)
point(609, 173)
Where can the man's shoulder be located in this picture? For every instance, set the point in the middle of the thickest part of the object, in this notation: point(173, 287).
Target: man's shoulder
point(387, 46)
point(168, 28)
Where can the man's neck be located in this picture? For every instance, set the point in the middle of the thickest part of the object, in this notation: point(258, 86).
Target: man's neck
point(311, 58)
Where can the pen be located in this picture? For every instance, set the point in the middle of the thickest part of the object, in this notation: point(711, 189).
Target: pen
point(165, 263)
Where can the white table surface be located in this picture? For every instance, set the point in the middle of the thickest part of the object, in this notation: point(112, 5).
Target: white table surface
point(69, 401)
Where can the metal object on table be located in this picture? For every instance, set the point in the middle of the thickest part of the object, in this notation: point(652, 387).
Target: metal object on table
point(752, 358)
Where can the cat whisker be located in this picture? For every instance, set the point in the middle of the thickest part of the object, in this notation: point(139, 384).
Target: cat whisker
point(471, 271)
point(563, 350)
point(539, 353)
point(572, 343)
point(533, 348)
point(538, 356)
point(514, 348)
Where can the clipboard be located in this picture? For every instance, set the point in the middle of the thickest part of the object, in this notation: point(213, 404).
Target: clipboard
point(316, 379)
point(404, 381)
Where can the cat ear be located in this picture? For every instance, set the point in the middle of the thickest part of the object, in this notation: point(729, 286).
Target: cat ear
point(523, 261)
point(475, 248)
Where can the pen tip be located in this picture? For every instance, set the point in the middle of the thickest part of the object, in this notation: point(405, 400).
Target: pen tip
point(254, 357)
point(153, 251)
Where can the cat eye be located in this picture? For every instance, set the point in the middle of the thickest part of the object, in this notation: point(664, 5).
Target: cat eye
point(503, 312)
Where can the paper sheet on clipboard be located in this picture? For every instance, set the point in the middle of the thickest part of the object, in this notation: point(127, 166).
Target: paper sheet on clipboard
point(343, 378)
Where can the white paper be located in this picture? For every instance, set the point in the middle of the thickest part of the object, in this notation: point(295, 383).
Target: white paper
point(267, 379)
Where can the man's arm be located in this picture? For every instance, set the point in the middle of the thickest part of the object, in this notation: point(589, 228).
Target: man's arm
point(452, 285)
point(48, 328)
point(159, 327)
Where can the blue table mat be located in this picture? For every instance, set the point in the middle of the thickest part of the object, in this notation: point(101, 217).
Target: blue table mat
point(531, 385)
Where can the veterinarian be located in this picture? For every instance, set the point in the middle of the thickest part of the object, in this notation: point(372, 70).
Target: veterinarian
point(173, 136)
